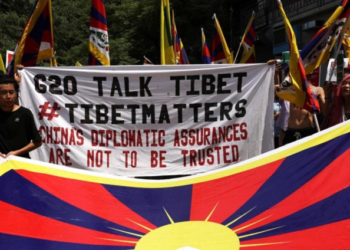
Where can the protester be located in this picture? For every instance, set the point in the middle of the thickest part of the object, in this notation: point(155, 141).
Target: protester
point(328, 89)
point(339, 110)
point(18, 76)
point(18, 133)
point(301, 122)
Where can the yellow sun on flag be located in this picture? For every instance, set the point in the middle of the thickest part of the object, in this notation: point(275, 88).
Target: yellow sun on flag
point(201, 235)
point(195, 235)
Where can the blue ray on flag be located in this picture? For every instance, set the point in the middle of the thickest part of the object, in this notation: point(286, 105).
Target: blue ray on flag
point(313, 216)
point(277, 188)
point(58, 210)
point(167, 199)
point(36, 43)
point(98, 44)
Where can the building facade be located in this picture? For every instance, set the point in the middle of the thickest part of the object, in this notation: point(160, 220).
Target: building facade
point(305, 16)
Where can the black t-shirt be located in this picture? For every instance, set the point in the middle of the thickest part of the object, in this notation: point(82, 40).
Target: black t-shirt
point(17, 130)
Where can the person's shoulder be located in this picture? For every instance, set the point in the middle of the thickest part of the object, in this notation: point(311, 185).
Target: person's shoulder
point(24, 110)
point(320, 90)
point(316, 90)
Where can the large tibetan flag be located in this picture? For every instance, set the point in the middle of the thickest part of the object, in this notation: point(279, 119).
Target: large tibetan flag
point(296, 197)
point(98, 45)
point(176, 39)
point(36, 43)
point(166, 41)
point(248, 42)
point(206, 58)
point(295, 88)
point(183, 54)
point(220, 53)
point(318, 50)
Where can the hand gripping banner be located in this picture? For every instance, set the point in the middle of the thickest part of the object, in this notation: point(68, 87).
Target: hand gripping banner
point(163, 120)
point(296, 197)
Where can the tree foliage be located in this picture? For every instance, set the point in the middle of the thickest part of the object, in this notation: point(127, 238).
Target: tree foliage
point(133, 27)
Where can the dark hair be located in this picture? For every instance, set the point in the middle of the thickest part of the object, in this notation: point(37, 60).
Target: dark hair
point(5, 79)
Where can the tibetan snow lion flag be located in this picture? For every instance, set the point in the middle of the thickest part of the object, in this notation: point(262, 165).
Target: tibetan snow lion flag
point(295, 197)
point(167, 55)
point(206, 58)
point(248, 42)
point(98, 46)
point(36, 43)
point(183, 54)
point(220, 52)
point(295, 87)
point(175, 39)
point(318, 50)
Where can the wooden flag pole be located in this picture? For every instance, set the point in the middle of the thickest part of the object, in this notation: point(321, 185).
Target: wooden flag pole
point(316, 122)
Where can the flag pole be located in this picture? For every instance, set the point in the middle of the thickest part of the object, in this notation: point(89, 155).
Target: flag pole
point(162, 52)
point(336, 52)
point(316, 122)
point(172, 33)
point(245, 33)
point(202, 31)
point(51, 24)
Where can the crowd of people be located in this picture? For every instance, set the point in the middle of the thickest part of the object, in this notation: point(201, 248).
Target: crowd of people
point(19, 134)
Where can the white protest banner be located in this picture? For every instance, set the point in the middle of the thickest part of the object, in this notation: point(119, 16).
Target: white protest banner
point(151, 121)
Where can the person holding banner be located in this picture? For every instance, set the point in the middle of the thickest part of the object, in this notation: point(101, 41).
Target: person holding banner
point(18, 133)
point(17, 76)
point(339, 110)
